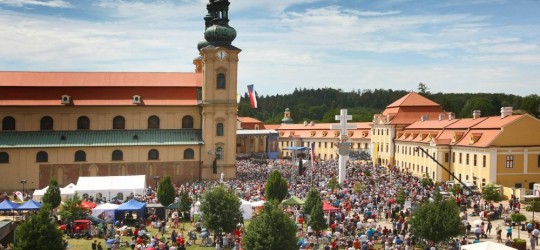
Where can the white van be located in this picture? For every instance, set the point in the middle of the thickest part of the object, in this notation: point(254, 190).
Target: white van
point(471, 186)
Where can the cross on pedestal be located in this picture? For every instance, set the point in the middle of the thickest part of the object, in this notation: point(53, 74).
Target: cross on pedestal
point(343, 126)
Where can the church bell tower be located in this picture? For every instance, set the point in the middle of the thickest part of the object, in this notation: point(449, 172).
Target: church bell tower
point(218, 63)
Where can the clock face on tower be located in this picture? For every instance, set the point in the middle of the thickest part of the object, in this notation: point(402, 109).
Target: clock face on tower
point(221, 54)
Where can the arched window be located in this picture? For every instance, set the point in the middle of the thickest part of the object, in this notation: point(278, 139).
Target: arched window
point(153, 154)
point(8, 123)
point(187, 121)
point(220, 81)
point(153, 122)
point(189, 154)
point(4, 157)
point(42, 156)
point(80, 156)
point(219, 129)
point(117, 155)
point(119, 122)
point(46, 123)
point(219, 153)
point(83, 123)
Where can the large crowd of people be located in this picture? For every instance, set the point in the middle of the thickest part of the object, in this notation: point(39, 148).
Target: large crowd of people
point(366, 209)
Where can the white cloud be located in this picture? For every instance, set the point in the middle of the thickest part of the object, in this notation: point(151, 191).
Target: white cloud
point(51, 3)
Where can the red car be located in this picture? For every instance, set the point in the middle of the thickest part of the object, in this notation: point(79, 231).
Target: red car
point(81, 225)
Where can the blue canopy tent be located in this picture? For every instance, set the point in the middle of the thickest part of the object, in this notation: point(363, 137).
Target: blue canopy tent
point(131, 205)
point(30, 205)
point(7, 205)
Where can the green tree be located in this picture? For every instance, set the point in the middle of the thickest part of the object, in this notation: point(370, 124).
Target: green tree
point(437, 221)
point(359, 187)
point(456, 189)
point(276, 187)
point(72, 210)
point(272, 229)
point(533, 206)
point(531, 105)
point(426, 181)
point(313, 199)
point(518, 218)
point(220, 209)
point(491, 193)
point(166, 192)
point(316, 219)
point(52, 196)
point(185, 202)
point(400, 199)
point(423, 88)
point(39, 232)
point(333, 183)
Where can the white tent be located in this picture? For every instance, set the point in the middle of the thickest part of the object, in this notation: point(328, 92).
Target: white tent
point(246, 209)
point(65, 192)
point(111, 186)
point(38, 194)
point(258, 203)
point(488, 245)
point(107, 208)
point(68, 191)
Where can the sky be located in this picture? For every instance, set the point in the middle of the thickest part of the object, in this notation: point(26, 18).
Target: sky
point(450, 45)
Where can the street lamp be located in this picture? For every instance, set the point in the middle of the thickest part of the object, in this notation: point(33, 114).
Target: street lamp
point(23, 182)
point(156, 178)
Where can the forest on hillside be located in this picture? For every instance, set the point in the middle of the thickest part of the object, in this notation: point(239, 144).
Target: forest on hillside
point(322, 104)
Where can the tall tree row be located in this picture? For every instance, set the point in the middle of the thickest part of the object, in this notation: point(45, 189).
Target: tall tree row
point(320, 105)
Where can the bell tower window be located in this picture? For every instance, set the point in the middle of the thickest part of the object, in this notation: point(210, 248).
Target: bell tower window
point(220, 81)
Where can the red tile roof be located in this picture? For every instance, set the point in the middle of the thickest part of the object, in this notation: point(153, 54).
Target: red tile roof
point(97, 96)
point(496, 122)
point(248, 120)
point(413, 99)
point(100, 79)
point(431, 124)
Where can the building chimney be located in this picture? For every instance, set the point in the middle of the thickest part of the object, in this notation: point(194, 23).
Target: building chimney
point(506, 111)
point(305, 123)
point(451, 116)
point(424, 118)
point(476, 114)
point(311, 123)
point(441, 116)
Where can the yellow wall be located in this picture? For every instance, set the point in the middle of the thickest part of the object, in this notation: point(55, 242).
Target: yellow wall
point(520, 133)
point(101, 117)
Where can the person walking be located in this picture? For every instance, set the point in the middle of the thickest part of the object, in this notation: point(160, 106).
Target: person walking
point(509, 232)
point(489, 226)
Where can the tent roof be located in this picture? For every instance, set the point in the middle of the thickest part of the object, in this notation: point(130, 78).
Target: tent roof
point(486, 246)
point(68, 190)
point(296, 148)
point(105, 184)
point(131, 205)
point(8, 205)
point(30, 205)
point(88, 204)
point(293, 201)
point(106, 206)
point(329, 208)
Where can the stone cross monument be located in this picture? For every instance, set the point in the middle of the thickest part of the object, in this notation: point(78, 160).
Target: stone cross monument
point(343, 145)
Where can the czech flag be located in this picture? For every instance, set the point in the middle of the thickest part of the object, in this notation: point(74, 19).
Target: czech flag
point(252, 97)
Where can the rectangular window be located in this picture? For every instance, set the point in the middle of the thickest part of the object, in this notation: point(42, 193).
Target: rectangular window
point(446, 157)
point(460, 158)
point(483, 161)
point(326, 145)
point(474, 160)
point(538, 161)
point(509, 161)
point(453, 157)
point(467, 177)
point(518, 185)
point(319, 144)
point(467, 159)
point(460, 177)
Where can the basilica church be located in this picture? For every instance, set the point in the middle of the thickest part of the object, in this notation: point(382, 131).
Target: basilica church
point(64, 125)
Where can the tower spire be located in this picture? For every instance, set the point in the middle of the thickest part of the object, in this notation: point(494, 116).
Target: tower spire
point(217, 30)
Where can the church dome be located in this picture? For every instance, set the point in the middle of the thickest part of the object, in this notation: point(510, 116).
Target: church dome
point(202, 43)
point(220, 34)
